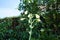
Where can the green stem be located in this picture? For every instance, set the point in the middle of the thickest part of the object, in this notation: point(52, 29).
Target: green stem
point(30, 34)
point(31, 27)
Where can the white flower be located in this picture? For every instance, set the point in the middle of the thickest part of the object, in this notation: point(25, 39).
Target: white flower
point(37, 16)
point(30, 16)
point(26, 12)
point(22, 18)
point(42, 30)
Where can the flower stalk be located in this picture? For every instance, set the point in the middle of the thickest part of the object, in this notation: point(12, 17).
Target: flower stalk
point(31, 27)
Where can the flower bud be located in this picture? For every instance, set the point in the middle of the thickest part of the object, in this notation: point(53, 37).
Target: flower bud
point(26, 12)
point(38, 20)
point(30, 16)
point(22, 19)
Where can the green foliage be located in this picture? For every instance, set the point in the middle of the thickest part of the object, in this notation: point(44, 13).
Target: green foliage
point(48, 21)
point(39, 21)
